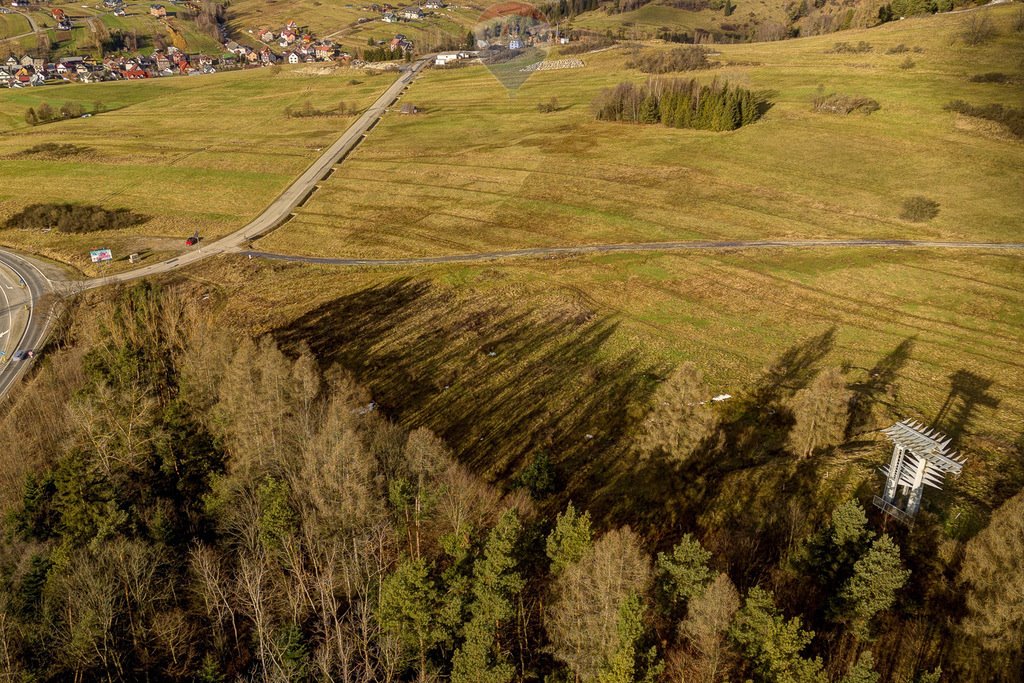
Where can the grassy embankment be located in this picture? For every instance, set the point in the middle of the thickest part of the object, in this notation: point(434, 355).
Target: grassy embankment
point(208, 152)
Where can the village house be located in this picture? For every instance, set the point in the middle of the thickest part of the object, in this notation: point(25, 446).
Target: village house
point(161, 62)
point(266, 35)
point(158, 10)
point(446, 58)
point(119, 12)
point(292, 58)
point(288, 37)
point(433, 4)
point(389, 18)
point(133, 72)
point(412, 13)
point(324, 51)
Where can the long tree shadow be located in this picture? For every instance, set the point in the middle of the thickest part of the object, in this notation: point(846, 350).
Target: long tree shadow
point(868, 392)
point(662, 498)
point(968, 391)
point(497, 381)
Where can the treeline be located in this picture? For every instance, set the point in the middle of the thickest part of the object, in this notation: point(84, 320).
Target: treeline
point(1010, 117)
point(72, 218)
point(208, 508)
point(679, 103)
point(383, 54)
point(666, 61)
point(46, 113)
point(307, 110)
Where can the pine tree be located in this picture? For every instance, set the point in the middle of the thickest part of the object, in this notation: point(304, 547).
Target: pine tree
point(771, 643)
point(877, 576)
point(409, 605)
point(863, 671)
point(570, 540)
point(482, 658)
point(684, 574)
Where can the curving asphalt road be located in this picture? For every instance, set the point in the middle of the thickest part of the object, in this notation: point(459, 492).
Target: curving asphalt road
point(36, 286)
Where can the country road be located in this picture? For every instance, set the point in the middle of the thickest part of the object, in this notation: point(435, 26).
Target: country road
point(549, 252)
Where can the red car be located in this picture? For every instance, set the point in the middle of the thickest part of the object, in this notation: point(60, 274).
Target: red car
point(191, 240)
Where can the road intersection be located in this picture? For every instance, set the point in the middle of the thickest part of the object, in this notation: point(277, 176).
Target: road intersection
point(43, 284)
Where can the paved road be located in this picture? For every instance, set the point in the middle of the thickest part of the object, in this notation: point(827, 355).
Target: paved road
point(542, 252)
point(282, 207)
point(38, 324)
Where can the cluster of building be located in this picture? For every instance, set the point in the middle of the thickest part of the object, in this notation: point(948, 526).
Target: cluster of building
point(390, 14)
point(33, 71)
point(299, 46)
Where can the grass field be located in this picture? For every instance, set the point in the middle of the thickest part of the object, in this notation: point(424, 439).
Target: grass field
point(13, 25)
point(482, 170)
point(506, 360)
point(205, 152)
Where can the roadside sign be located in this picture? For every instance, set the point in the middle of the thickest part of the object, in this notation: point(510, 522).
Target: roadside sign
point(98, 255)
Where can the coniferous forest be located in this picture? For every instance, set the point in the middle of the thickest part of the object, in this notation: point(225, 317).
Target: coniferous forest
point(207, 507)
point(679, 103)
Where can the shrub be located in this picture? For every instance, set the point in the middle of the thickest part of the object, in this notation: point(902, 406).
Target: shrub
point(549, 106)
point(845, 104)
point(990, 77)
point(897, 50)
point(977, 29)
point(844, 47)
point(919, 209)
point(55, 150)
point(908, 63)
point(73, 218)
point(678, 59)
point(1010, 117)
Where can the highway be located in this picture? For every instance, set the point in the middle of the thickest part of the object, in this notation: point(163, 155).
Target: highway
point(23, 300)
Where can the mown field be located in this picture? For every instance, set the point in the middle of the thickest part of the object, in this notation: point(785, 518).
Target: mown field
point(207, 152)
point(482, 169)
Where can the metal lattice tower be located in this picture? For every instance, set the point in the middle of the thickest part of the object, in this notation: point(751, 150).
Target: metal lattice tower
point(920, 457)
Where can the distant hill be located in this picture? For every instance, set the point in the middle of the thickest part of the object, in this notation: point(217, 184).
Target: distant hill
point(733, 20)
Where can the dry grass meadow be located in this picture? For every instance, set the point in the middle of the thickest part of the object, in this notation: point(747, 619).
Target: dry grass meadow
point(207, 152)
point(481, 169)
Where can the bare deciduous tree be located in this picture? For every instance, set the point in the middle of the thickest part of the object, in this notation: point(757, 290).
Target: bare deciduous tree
point(821, 411)
point(681, 417)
